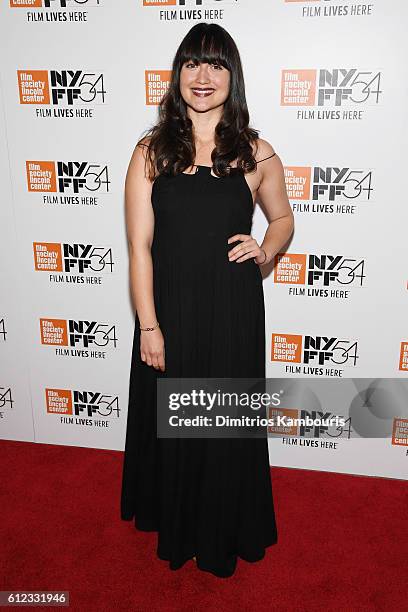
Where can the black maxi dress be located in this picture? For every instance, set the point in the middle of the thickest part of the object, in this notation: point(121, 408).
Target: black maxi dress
point(209, 498)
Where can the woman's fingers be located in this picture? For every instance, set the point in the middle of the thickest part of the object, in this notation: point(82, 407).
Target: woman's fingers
point(243, 238)
point(242, 249)
point(245, 253)
point(158, 362)
point(161, 364)
point(155, 360)
point(246, 256)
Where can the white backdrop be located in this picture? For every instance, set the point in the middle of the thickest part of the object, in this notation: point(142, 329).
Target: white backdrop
point(80, 81)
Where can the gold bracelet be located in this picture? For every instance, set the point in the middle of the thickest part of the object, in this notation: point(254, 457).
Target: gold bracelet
point(150, 328)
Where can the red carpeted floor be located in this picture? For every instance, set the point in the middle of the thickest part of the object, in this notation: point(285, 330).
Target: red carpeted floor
point(343, 541)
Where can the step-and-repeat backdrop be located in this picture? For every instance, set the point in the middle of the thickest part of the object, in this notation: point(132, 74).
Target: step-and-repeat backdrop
point(326, 86)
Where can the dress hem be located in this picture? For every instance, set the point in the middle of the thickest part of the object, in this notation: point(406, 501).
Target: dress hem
point(144, 527)
point(219, 574)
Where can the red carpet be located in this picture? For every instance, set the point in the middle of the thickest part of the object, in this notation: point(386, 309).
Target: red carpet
point(343, 541)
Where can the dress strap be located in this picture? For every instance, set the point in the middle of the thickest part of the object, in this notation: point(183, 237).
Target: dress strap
point(261, 160)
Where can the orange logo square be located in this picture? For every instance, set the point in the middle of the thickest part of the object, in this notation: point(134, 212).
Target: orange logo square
point(58, 401)
point(298, 87)
point(403, 362)
point(283, 430)
point(400, 432)
point(286, 347)
point(159, 2)
point(290, 268)
point(297, 180)
point(156, 84)
point(26, 3)
point(54, 331)
point(47, 256)
point(41, 176)
point(33, 86)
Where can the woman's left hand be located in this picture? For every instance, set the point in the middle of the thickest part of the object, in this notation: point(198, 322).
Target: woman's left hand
point(248, 249)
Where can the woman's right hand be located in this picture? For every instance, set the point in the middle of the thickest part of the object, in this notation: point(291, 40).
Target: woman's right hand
point(152, 348)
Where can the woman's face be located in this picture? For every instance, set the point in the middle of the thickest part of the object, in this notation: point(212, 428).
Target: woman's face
point(204, 86)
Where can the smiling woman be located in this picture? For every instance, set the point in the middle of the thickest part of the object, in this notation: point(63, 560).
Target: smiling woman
point(204, 79)
point(190, 192)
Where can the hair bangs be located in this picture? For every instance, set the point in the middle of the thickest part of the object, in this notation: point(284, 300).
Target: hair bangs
point(206, 47)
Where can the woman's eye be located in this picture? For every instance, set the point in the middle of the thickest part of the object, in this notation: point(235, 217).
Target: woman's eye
point(193, 65)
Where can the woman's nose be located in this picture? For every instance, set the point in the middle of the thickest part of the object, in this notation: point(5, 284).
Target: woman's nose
point(203, 75)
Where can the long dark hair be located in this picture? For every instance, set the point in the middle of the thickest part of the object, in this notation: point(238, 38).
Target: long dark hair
point(171, 147)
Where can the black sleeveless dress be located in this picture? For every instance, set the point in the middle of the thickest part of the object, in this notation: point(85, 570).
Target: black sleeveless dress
point(209, 498)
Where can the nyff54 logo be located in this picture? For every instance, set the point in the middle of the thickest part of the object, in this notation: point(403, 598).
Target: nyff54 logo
point(318, 270)
point(67, 177)
point(292, 428)
point(330, 183)
point(329, 87)
point(85, 403)
point(77, 333)
point(328, 190)
point(320, 355)
point(55, 87)
point(63, 257)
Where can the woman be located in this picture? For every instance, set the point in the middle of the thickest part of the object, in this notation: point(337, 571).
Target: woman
point(190, 192)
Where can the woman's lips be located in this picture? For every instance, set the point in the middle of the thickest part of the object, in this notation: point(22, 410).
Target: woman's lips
point(202, 93)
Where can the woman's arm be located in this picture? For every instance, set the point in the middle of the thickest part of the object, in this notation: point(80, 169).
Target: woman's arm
point(140, 230)
point(272, 194)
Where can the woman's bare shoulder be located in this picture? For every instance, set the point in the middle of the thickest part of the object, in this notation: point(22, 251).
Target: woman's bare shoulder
point(262, 149)
point(142, 146)
point(139, 165)
point(144, 142)
point(140, 157)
